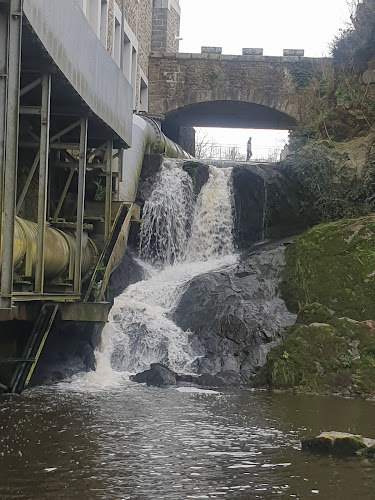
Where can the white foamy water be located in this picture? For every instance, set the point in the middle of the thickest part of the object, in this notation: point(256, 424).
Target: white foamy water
point(211, 233)
point(167, 215)
point(189, 239)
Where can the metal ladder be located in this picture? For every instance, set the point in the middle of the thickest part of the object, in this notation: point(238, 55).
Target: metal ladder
point(38, 336)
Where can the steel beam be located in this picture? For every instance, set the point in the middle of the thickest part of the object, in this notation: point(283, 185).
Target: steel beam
point(57, 145)
point(108, 188)
point(64, 192)
point(30, 110)
point(3, 98)
point(11, 152)
point(31, 86)
point(80, 205)
point(43, 182)
point(36, 161)
point(27, 183)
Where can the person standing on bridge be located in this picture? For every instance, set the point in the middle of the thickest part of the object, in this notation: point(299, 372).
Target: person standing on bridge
point(249, 150)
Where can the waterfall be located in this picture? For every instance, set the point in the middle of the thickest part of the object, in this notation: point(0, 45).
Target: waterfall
point(167, 215)
point(211, 233)
point(264, 217)
point(181, 238)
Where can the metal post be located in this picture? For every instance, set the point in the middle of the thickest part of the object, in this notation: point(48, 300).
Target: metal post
point(11, 152)
point(108, 187)
point(43, 181)
point(3, 87)
point(80, 205)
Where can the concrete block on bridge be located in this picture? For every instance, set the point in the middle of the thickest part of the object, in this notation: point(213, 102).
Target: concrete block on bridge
point(252, 52)
point(294, 52)
point(211, 50)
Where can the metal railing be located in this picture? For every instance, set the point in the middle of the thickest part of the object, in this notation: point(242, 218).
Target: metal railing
point(236, 152)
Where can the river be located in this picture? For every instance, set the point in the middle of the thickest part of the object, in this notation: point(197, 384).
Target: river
point(144, 443)
point(100, 436)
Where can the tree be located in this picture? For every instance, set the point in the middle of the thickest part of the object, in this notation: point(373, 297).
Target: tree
point(203, 144)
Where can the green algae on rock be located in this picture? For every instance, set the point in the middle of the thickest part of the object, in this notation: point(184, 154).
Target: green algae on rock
point(340, 444)
point(334, 355)
point(333, 264)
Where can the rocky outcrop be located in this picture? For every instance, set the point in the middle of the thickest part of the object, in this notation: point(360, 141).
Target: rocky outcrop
point(323, 353)
point(69, 349)
point(339, 444)
point(160, 375)
point(236, 313)
point(126, 273)
point(267, 204)
point(333, 264)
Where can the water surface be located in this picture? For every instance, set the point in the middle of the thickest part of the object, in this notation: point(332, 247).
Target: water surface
point(146, 443)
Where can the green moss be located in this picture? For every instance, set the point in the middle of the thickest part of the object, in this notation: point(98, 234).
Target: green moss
point(303, 71)
point(333, 264)
point(337, 355)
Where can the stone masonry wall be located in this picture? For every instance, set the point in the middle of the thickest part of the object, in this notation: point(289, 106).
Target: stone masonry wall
point(165, 29)
point(179, 80)
point(173, 31)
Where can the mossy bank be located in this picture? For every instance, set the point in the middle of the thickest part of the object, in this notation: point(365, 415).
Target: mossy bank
point(329, 280)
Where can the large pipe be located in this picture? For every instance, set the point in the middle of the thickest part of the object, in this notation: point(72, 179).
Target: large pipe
point(59, 251)
point(148, 139)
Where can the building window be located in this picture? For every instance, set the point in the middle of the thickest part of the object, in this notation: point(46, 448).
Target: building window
point(93, 13)
point(143, 94)
point(127, 57)
point(134, 68)
point(104, 22)
point(117, 42)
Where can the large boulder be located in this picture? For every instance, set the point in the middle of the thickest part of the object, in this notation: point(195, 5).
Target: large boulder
point(158, 375)
point(323, 353)
point(333, 264)
point(235, 313)
point(339, 444)
point(267, 204)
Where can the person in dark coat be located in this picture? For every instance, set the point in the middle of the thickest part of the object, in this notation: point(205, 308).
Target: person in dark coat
point(249, 150)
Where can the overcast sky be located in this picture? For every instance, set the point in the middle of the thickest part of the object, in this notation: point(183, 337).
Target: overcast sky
point(273, 25)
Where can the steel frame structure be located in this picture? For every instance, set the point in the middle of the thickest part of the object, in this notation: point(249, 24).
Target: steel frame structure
point(11, 95)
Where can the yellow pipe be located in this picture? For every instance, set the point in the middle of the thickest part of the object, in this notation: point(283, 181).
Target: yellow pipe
point(58, 250)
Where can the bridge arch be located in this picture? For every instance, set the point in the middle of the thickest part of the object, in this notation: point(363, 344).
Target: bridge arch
point(226, 114)
point(228, 91)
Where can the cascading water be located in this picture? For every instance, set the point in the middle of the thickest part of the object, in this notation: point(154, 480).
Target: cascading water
point(186, 236)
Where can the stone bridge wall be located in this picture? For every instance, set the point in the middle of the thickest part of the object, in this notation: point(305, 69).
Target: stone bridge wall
point(180, 80)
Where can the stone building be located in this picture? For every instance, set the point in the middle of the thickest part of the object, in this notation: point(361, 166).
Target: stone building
point(145, 26)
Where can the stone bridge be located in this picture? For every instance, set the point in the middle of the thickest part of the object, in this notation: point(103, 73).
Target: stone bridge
point(215, 90)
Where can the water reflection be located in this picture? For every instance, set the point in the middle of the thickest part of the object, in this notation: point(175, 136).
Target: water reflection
point(143, 443)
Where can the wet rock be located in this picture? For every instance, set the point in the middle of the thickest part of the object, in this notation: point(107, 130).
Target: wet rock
point(332, 264)
point(370, 452)
point(199, 174)
point(326, 354)
point(267, 204)
point(126, 273)
point(69, 349)
point(158, 375)
point(221, 379)
point(340, 444)
point(235, 313)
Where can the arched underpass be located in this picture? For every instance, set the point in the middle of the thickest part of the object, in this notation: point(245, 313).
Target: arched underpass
point(225, 114)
